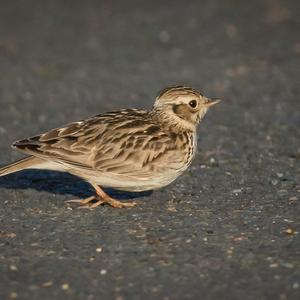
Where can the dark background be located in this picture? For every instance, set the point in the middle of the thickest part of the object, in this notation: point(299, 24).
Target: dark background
point(229, 227)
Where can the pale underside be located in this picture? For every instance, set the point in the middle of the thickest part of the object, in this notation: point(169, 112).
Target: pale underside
point(124, 150)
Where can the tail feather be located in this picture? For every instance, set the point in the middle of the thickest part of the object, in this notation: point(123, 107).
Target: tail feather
point(26, 163)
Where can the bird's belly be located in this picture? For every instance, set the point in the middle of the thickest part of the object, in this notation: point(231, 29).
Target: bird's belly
point(135, 183)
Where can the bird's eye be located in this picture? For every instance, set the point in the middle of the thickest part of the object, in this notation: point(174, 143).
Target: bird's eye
point(193, 103)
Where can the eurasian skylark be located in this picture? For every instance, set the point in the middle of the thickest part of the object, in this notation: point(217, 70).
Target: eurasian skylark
point(129, 149)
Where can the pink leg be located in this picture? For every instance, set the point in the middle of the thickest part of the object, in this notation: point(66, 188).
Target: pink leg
point(100, 198)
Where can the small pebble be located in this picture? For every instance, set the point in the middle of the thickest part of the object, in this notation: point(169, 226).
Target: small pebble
point(229, 252)
point(65, 286)
point(293, 198)
point(103, 272)
point(172, 209)
point(239, 238)
point(283, 192)
point(213, 162)
point(237, 191)
point(13, 268)
point(7, 234)
point(296, 285)
point(289, 231)
point(47, 284)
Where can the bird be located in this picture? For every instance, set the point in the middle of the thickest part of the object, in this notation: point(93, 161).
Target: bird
point(129, 149)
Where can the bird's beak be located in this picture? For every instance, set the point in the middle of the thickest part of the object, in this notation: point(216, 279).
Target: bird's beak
point(212, 102)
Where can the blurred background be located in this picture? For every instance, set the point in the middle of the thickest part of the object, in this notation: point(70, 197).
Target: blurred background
point(62, 61)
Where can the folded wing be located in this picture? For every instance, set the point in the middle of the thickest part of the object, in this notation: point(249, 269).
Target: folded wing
point(124, 142)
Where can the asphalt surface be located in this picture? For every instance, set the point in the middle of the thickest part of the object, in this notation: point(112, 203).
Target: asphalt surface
point(229, 227)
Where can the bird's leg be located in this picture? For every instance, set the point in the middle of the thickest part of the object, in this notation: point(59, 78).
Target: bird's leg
point(89, 202)
point(109, 200)
point(100, 198)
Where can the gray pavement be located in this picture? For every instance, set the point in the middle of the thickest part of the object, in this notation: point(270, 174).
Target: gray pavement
point(229, 227)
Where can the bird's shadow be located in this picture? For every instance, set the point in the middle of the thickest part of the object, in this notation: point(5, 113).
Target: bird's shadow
point(59, 183)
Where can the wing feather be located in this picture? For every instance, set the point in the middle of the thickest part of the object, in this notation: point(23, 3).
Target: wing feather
point(121, 142)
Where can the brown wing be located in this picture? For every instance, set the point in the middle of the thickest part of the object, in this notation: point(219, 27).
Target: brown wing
point(117, 142)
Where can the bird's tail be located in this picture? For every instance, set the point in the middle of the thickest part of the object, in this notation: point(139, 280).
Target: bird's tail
point(30, 162)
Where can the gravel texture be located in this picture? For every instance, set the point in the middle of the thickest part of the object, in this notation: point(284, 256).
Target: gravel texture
point(229, 227)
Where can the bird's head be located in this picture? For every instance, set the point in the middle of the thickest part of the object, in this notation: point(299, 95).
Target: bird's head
point(183, 104)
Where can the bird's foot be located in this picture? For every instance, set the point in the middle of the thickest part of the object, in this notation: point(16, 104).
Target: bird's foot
point(89, 202)
point(116, 203)
point(94, 201)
